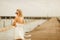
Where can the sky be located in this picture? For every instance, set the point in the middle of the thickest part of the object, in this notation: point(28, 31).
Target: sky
point(30, 7)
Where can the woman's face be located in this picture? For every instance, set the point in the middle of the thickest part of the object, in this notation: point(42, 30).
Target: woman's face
point(17, 13)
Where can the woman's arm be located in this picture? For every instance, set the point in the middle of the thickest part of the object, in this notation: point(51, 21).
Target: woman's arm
point(14, 23)
point(8, 28)
point(22, 20)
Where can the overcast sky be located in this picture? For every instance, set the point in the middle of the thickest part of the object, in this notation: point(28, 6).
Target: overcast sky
point(30, 7)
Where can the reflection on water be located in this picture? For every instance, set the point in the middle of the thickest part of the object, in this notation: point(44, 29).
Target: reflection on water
point(9, 34)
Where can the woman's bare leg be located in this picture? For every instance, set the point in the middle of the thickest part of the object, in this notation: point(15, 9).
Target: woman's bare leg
point(18, 39)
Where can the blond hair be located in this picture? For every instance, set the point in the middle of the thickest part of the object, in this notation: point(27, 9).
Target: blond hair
point(19, 10)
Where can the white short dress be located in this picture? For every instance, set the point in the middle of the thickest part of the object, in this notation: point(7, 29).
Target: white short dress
point(19, 31)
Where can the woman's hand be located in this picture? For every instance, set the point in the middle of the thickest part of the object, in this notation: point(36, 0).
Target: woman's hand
point(2, 29)
point(6, 28)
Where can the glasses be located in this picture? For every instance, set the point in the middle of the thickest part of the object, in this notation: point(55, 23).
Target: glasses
point(16, 13)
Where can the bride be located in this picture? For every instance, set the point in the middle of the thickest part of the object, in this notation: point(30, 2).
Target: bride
point(18, 24)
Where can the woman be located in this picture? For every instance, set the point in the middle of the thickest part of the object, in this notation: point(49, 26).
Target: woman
point(18, 23)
